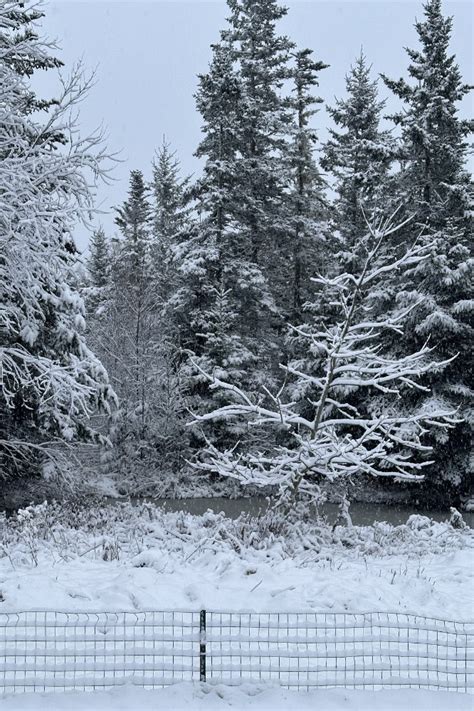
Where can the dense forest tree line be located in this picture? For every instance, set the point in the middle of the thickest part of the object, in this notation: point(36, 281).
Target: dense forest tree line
point(227, 307)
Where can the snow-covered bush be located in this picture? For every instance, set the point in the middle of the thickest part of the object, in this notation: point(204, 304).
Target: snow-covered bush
point(145, 535)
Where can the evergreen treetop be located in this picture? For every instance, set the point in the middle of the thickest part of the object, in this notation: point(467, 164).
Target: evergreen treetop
point(358, 153)
point(434, 146)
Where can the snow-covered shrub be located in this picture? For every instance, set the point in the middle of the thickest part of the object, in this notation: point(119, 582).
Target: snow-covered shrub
point(146, 535)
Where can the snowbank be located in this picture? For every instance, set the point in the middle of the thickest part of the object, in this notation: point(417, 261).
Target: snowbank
point(203, 697)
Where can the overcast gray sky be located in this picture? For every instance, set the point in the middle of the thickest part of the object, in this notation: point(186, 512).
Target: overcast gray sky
point(148, 53)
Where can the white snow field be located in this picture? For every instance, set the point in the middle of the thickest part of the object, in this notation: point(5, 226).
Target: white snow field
point(256, 697)
point(126, 558)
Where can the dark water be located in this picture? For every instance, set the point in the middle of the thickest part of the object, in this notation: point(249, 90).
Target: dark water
point(362, 514)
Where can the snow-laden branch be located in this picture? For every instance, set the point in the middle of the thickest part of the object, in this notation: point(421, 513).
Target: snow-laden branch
point(51, 382)
point(342, 437)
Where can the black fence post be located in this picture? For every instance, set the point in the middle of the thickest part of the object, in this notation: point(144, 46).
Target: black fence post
point(202, 645)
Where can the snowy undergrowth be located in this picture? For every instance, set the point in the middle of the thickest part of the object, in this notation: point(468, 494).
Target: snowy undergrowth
point(133, 557)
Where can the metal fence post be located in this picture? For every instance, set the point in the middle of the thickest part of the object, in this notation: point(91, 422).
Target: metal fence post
point(202, 645)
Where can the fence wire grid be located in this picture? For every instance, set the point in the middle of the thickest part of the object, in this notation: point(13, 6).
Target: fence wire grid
point(46, 651)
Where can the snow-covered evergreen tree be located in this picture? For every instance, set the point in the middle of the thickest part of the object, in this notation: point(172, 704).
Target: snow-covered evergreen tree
point(303, 248)
point(98, 265)
point(254, 200)
point(358, 156)
point(130, 324)
point(169, 216)
point(436, 186)
point(170, 219)
point(19, 27)
point(262, 58)
point(321, 435)
point(221, 292)
point(51, 381)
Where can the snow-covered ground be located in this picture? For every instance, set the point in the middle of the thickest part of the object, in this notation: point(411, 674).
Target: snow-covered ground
point(433, 584)
point(258, 697)
point(129, 558)
point(132, 558)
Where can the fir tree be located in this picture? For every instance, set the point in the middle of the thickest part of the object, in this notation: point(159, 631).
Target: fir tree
point(19, 23)
point(239, 259)
point(98, 265)
point(168, 192)
point(434, 146)
point(220, 291)
point(133, 218)
point(241, 195)
point(435, 185)
point(262, 57)
point(358, 156)
point(169, 218)
point(128, 334)
point(306, 204)
point(99, 259)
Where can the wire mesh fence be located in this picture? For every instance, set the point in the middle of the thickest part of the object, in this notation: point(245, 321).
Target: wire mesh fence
point(373, 650)
point(41, 651)
point(44, 650)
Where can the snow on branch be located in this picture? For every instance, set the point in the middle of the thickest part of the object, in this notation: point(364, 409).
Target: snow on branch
point(51, 381)
point(341, 437)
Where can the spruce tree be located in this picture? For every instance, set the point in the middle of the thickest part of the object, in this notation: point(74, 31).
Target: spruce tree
point(241, 196)
point(99, 259)
point(220, 290)
point(262, 57)
point(169, 218)
point(130, 326)
point(98, 265)
point(19, 30)
point(303, 249)
point(358, 156)
point(435, 185)
point(257, 203)
point(51, 381)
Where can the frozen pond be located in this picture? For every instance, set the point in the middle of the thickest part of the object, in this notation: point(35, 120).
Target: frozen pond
point(363, 514)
